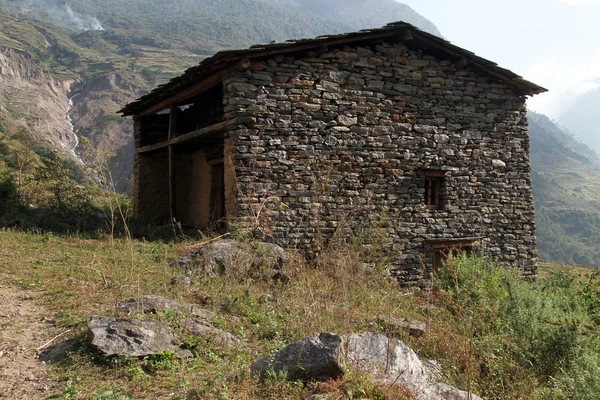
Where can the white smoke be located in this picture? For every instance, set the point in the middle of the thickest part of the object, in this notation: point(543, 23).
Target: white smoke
point(83, 22)
point(52, 10)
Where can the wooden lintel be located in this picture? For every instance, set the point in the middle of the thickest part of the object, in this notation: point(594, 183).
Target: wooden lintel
point(221, 126)
point(152, 147)
point(433, 173)
point(450, 242)
point(191, 91)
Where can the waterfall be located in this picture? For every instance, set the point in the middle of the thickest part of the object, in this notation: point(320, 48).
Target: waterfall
point(74, 93)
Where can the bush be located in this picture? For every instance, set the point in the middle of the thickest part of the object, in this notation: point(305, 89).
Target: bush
point(531, 331)
point(11, 206)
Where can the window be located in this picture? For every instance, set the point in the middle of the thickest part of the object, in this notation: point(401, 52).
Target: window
point(432, 192)
point(433, 188)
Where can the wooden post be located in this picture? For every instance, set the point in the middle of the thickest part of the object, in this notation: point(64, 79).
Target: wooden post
point(172, 187)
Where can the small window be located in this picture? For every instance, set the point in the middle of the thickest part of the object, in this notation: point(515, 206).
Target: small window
point(433, 186)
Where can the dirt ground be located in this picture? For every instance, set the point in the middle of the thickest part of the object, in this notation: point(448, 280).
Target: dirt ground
point(25, 329)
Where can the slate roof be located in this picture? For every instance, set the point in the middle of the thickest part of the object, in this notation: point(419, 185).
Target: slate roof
point(412, 36)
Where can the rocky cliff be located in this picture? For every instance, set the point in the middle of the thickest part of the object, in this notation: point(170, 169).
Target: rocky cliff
point(95, 118)
point(33, 99)
point(61, 113)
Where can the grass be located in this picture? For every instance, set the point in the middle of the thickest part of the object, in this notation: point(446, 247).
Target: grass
point(83, 277)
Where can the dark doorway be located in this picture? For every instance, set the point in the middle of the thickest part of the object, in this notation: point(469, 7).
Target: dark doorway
point(440, 255)
point(217, 195)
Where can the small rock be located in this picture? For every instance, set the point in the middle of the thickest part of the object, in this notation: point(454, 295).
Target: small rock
point(58, 353)
point(347, 121)
point(320, 397)
point(414, 327)
point(209, 332)
point(202, 313)
point(134, 338)
point(183, 281)
point(429, 390)
point(280, 277)
point(184, 354)
point(149, 304)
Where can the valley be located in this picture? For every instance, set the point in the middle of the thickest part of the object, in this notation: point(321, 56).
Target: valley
point(62, 84)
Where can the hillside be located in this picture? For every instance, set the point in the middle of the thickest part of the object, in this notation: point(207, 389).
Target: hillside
point(103, 54)
point(566, 190)
point(100, 57)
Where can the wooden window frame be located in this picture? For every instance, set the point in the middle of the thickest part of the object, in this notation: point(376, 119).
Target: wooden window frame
point(433, 183)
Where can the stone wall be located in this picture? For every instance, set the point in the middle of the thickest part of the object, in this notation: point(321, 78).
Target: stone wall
point(341, 136)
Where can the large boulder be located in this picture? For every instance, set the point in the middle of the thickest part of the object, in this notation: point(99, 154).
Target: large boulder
point(317, 356)
point(390, 362)
point(387, 360)
point(230, 255)
point(431, 390)
point(135, 338)
point(384, 357)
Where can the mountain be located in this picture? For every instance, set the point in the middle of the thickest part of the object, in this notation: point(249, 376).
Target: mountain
point(566, 191)
point(583, 120)
point(67, 67)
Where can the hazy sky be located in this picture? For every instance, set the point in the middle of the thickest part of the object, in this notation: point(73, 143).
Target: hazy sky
point(553, 43)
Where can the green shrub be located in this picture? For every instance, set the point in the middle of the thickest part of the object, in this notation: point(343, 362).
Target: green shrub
point(536, 331)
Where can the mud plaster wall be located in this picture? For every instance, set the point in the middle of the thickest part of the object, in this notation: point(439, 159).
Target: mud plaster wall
point(230, 180)
point(340, 135)
point(151, 184)
point(192, 174)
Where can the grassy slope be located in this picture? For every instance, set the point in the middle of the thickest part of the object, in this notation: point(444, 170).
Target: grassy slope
point(566, 187)
point(84, 277)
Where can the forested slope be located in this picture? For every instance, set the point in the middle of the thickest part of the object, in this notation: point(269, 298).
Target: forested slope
point(566, 190)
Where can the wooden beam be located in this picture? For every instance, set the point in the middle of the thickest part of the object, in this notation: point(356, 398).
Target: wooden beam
point(152, 147)
point(191, 91)
point(221, 126)
point(454, 242)
point(172, 176)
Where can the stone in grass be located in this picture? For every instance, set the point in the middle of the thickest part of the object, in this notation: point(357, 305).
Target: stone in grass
point(317, 356)
point(383, 357)
point(126, 337)
point(413, 327)
point(226, 254)
point(58, 353)
point(210, 333)
point(389, 361)
point(149, 304)
point(431, 390)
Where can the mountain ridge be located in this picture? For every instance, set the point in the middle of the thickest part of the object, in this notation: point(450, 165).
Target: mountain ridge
point(111, 69)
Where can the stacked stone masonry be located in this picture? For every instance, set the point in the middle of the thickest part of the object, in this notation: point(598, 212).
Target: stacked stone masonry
point(339, 140)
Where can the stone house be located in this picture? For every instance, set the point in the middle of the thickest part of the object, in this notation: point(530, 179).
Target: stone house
point(392, 129)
